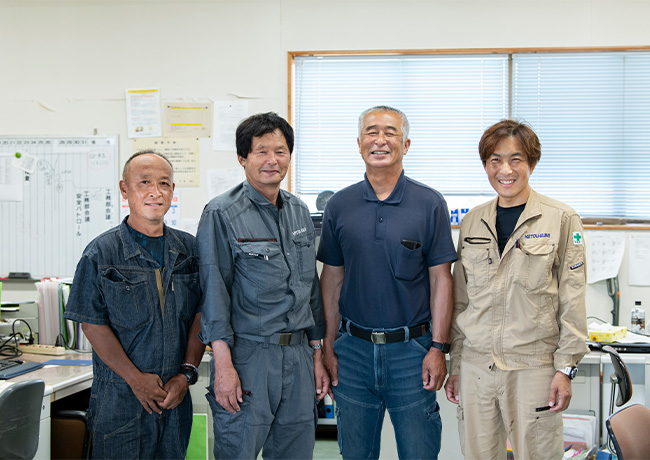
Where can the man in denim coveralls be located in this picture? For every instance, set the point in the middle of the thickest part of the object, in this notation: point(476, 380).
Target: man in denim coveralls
point(262, 307)
point(136, 293)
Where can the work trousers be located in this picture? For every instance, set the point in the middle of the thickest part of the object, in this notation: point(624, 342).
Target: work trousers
point(121, 428)
point(279, 409)
point(495, 404)
point(373, 378)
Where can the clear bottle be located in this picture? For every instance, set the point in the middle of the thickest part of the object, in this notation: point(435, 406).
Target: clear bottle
point(640, 316)
point(634, 320)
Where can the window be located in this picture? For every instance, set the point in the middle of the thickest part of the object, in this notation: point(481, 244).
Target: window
point(590, 110)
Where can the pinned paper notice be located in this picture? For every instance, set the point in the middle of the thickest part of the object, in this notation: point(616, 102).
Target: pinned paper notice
point(25, 162)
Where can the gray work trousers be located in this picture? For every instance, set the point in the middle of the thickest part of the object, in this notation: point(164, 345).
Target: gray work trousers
point(279, 409)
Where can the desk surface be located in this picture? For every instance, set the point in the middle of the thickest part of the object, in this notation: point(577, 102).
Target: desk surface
point(60, 381)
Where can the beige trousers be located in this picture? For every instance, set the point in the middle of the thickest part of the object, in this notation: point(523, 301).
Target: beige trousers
point(495, 404)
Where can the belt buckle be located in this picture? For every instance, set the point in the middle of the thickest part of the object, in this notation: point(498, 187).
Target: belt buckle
point(285, 338)
point(378, 338)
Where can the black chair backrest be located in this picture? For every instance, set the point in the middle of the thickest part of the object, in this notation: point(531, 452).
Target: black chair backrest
point(624, 382)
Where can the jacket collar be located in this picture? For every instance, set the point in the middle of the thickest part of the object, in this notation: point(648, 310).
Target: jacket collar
point(394, 198)
point(532, 210)
point(132, 249)
point(255, 196)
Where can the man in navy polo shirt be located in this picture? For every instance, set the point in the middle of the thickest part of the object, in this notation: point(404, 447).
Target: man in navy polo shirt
point(387, 250)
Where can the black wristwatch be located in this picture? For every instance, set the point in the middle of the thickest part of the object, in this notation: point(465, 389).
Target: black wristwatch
point(190, 372)
point(444, 347)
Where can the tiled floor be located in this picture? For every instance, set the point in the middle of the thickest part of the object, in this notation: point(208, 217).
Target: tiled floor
point(327, 448)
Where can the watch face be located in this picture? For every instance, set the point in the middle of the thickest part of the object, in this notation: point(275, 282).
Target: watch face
point(574, 372)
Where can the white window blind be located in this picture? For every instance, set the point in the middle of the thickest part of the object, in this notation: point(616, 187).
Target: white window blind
point(449, 101)
point(590, 110)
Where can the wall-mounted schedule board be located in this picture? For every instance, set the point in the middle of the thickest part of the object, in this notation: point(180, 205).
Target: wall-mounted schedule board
point(50, 214)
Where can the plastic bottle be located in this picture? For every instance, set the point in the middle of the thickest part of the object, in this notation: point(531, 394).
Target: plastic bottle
point(640, 316)
point(637, 322)
point(634, 320)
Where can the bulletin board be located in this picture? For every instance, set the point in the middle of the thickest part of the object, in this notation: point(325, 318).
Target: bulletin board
point(49, 213)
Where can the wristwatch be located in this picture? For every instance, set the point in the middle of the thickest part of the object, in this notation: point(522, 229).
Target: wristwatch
point(316, 346)
point(190, 372)
point(444, 347)
point(570, 371)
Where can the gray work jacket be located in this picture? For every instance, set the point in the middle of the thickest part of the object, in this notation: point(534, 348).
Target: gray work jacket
point(258, 267)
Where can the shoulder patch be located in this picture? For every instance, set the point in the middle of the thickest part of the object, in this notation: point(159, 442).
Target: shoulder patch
point(577, 238)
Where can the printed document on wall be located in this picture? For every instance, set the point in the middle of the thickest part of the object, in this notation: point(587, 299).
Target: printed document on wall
point(11, 180)
point(187, 119)
point(143, 112)
point(604, 254)
point(222, 180)
point(183, 153)
point(639, 262)
point(227, 116)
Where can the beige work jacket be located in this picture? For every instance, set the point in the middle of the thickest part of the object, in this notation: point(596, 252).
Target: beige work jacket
point(525, 309)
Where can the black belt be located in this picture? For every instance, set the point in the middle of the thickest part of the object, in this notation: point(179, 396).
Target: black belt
point(279, 338)
point(381, 337)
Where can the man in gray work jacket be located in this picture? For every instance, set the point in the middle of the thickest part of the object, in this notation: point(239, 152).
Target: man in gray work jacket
point(262, 310)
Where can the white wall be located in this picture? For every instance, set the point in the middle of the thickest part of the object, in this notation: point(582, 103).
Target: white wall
point(64, 65)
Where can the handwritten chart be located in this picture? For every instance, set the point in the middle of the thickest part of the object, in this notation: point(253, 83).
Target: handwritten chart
point(55, 209)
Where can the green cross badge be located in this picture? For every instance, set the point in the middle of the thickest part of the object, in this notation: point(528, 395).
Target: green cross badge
point(577, 238)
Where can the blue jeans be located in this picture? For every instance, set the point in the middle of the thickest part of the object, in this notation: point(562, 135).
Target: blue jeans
point(373, 378)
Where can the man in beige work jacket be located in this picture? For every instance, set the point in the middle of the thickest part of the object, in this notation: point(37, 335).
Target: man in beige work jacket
point(519, 324)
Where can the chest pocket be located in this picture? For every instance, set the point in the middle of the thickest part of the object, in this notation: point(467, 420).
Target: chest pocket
point(261, 263)
point(476, 262)
point(408, 262)
point(306, 250)
point(185, 281)
point(128, 298)
point(536, 262)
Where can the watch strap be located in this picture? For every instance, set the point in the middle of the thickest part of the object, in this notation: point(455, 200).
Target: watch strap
point(190, 371)
point(444, 347)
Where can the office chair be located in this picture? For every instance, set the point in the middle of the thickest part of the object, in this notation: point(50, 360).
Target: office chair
point(70, 436)
point(628, 431)
point(620, 378)
point(20, 417)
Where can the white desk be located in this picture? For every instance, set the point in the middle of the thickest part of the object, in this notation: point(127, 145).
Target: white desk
point(60, 381)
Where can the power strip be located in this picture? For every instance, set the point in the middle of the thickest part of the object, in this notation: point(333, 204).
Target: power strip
point(42, 349)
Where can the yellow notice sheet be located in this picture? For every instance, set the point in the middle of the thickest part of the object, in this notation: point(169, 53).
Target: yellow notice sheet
point(183, 153)
point(187, 119)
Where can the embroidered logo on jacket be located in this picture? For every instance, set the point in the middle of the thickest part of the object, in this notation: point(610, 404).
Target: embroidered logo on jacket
point(577, 238)
point(537, 235)
point(298, 232)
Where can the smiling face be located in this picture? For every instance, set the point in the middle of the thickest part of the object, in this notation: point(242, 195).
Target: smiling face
point(148, 186)
point(508, 171)
point(382, 144)
point(267, 163)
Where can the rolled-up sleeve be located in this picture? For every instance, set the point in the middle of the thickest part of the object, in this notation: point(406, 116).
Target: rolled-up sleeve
point(216, 269)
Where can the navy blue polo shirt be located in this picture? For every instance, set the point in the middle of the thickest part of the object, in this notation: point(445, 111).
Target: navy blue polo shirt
point(386, 248)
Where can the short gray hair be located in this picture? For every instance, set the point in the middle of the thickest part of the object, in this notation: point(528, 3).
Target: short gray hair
point(385, 108)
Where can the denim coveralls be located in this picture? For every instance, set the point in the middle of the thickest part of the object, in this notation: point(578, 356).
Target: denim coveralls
point(258, 272)
point(117, 283)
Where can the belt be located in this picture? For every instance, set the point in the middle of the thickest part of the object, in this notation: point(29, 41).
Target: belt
point(382, 337)
point(279, 338)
